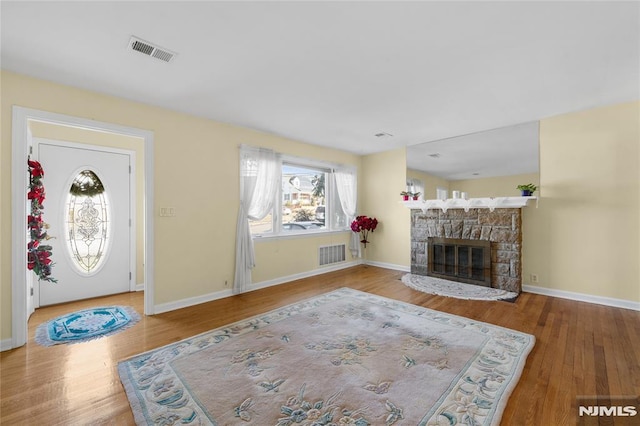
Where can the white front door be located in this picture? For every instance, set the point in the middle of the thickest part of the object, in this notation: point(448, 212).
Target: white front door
point(88, 209)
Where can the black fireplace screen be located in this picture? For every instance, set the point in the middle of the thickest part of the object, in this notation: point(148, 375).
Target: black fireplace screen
point(467, 261)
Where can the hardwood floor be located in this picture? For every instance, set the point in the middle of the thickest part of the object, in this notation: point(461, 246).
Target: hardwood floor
point(581, 349)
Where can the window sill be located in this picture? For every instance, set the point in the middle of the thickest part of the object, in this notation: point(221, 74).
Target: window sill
point(295, 235)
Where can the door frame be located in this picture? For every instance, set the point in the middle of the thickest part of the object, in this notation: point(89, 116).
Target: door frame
point(132, 200)
point(20, 182)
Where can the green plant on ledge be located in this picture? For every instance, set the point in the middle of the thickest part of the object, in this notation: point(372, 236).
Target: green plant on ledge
point(528, 189)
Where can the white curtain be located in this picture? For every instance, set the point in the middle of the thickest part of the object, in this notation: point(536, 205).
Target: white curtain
point(347, 188)
point(259, 180)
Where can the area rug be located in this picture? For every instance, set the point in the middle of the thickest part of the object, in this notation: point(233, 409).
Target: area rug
point(458, 290)
point(85, 325)
point(345, 357)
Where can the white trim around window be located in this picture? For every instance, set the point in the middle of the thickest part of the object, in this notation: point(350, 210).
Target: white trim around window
point(335, 221)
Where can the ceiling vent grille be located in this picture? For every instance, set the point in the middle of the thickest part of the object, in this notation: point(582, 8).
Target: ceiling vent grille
point(150, 49)
point(383, 135)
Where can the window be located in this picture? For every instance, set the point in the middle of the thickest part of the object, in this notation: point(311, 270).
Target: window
point(88, 222)
point(307, 201)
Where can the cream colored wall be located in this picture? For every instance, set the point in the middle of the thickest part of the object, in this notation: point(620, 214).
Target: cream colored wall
point(91, 137)
point(196, 171)
point(502, 186)
point(281, 258)
point(585, 236)
point(383, 177)
point(431, 183)
point(505, 186)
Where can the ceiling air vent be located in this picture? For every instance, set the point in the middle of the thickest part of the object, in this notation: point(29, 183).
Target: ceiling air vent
point(150, 49)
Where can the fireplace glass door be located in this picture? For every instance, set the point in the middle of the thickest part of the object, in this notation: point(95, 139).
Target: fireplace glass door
point(467, 261)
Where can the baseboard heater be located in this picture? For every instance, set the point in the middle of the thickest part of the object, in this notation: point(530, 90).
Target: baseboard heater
point(328, 255)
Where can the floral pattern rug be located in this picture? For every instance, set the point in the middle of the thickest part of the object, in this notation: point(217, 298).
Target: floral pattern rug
point(88, 324)
point(440, 287)
point(342, 358)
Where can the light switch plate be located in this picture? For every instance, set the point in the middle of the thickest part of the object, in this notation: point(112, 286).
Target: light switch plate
point(167, 211)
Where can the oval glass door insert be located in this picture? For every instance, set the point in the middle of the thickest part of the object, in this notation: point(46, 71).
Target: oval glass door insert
point(88, 222)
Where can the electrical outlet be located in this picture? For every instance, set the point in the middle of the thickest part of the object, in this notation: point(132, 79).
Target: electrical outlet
point(226, 283)
point(534, 278)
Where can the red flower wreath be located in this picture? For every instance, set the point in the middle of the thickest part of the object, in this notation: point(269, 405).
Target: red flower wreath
point(364, 225)
point(38, 255)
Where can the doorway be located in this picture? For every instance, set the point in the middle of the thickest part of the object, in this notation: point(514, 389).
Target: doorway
point(23, 119)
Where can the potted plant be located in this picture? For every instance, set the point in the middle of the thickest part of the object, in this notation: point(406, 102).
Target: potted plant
point(405, 195)
point(415, 195)
point(527, 190)
point(364, 225)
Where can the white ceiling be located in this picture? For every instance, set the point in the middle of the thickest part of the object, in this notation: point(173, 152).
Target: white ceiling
point(337, 73)
point(506, 151)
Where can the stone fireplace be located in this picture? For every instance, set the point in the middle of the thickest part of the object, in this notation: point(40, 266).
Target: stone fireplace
point(467, 261)
point(501, 229)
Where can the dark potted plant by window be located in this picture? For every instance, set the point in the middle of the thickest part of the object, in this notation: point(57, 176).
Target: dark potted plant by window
point(415, 195)
point(527, 190)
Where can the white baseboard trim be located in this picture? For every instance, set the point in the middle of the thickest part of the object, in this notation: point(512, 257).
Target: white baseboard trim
point(581, 297)
point(319, 271)
point(388, 266)
point(140, 287)
point(191, 301)
point(5, 345)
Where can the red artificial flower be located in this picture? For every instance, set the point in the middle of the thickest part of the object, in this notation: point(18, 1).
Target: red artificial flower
point(34, 222)
point(35, 168)
point(43, 257)
point(31, 261)
point(36, 193)
point(364, 225)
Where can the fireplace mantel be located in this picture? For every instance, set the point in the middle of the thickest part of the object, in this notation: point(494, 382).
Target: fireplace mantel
point(490, 203)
